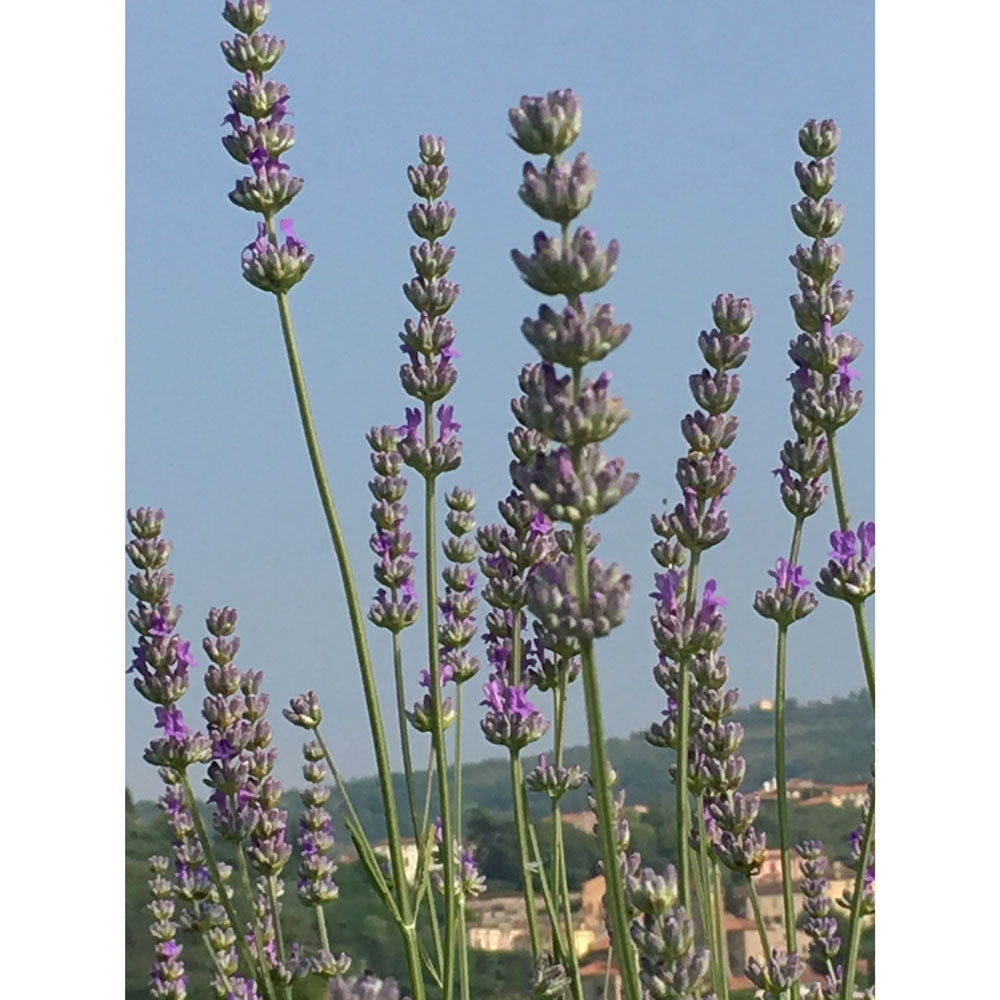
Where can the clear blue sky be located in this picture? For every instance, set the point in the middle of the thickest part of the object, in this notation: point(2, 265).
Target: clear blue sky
point(690, 113)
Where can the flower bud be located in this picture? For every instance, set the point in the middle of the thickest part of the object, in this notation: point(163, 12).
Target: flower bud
point(546, 125)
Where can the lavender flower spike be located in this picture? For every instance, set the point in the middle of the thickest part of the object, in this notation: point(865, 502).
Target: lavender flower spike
point(258, 136)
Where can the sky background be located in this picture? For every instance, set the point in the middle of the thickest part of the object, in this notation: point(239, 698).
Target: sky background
point(690, 115)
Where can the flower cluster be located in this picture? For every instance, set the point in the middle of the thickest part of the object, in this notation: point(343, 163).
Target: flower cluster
point(670, 963)
point(457, 626)
point(788, 600)
point(850, 575)
point(167, 978)
point(823, 396)
point(258, 137)
point(162, 661)
point(469, 880)
point(429, 373)
point(555, 780)
point(394, 608)
point(315, 886)
point(511, 720)
point(819, 925)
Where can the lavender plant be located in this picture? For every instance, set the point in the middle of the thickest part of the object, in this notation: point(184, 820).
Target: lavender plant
point(549, 600)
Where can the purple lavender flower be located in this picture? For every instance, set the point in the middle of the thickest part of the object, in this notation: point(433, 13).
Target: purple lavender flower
point(788, 600)
point(258, 142)
point(849, 575)
point(511, 720)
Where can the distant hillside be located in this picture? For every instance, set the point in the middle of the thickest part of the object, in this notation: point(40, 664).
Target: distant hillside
point(830, 742)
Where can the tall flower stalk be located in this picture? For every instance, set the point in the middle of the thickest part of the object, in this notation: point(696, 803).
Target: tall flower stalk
point(685, 628)
point(432, 449)
point(568, 478)
point(275, 268)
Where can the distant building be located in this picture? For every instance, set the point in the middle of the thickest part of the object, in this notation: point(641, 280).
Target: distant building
point(765, 705)
point(411, 856)
point(807, 792)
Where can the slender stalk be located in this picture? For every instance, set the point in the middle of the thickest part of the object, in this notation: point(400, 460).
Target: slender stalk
point(520, 823)
point(365, 852)
point(463, 952)
point(272, 900)
point(683, 818)
point(265, 969)
point(559, 947)
point(755, 903)
point(358, 631)
point(324, 939)
point(463, 944)
point(614, 889)
point(404, 728)
point(558, 842)
point(437, 735)
point(709, 913)
point(720, 927)
point(213, 870)
point(779, 763)
point(793, 551)
point(854, 928)
point(864, 641)
point(215, 962)
point(836, 477)
point(844, 520)
point(457, 768)
point(607, 973)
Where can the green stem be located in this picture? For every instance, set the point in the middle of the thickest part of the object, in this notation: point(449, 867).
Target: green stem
point(709, 914)
point(213, 870)
point(864, 642)
point(854, 928)
point(844, 520)
point(458, 762)
point(364, 848)
point(324, 939)
point(437, 734)
point(683, 817)
point(759, 920)
point(559, 948)
point(614, 889)
point(836, 477)
point(558, 841)
point(357, 629)
point(463, 945)
point(272, 899)
point(216, 964)
point(520, 824)
point(793, 551)
point(606, 993)
point(266, 981)
point(720, 927)
point(779, 758)
point(404, 727)
point(463, 951)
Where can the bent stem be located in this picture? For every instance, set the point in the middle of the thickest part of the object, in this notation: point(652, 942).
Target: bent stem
point(213, 870)
point(358, 632)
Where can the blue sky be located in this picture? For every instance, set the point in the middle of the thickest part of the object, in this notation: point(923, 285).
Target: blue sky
point(689, 117)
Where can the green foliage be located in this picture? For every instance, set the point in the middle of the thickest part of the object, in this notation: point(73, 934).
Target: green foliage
point(828, 742)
